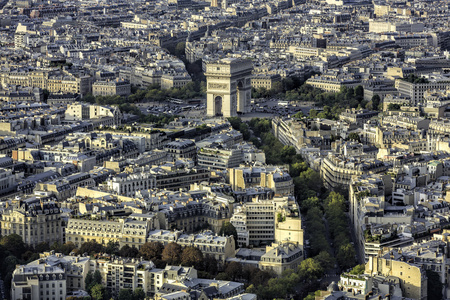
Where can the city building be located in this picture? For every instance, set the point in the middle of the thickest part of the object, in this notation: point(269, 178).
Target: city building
point(37, 220)
point(111, 88)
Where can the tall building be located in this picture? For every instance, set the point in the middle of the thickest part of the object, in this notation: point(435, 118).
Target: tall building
point(413, 279)
point(41, 281)
point(99, 115)
point(228, 87)
point(36, 220)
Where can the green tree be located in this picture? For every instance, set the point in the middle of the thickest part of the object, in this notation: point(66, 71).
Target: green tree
point(359, 93)
point(393, 106)
point(346, 256)
point(125, 294)
point(358, 270)
point(210, 264)
point(180, 49)
point(376, 101)
point(325, 260)
point(234, 270)
point(235, 122)
point(127, 251)
point(310, 269)
point(112, 247)
point(313, 113)
point(14, 244)
point(299, 115)
point(228, 229)
point(172, 253)
point(68, 247)
point(42, 247)
point(92, 279)
point(434, 287)
point(353, 136)
point(310, 296)
point(309, 203)
point(138, 294)
point(98, 292)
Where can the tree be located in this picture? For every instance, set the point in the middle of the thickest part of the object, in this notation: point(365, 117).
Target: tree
point(234, 270)
point(228, 229)
point(325, 260)
point(353, 136)
point(434, 287)
point(98, 292)
point(376, 101)
point(313, 113)
point(127, 251)
point(112, 247)
point(359, 92)
point(13, 243)
point(299, 115)
point(91, 248)
point(68, 247)
point(172, 254)
point(358, 270)
point(210, 264)
point(346, 256)
point(92, 279)
point(310, 203)
point(125, 294)
point(287, 153)
point(192, 256)
point(151, 250)
point(310, 269)
point(42, 247)
point(138, 294)
point(393, 106)
point(180, 49)
point(260, 277)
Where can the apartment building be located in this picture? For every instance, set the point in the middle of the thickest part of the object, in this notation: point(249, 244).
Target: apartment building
point(127, 183)
point(413, 280)
point(416, 91)
point(393, 26)
point(55, 81)
point(36, 220)
point(131, 230)
point(171, 178)
point(255, 221)
point(191, 215)
point(266, 81)
point(281, 257)
point(219, 158)
point(338, 171)
point(180, 149)
point(111, 88)
point(179, 80)
point(40, 281)
point(357, 116)
point(333, 82)
point(98, 115)
point(55, 274)
point(275, 178)
point(219, 247)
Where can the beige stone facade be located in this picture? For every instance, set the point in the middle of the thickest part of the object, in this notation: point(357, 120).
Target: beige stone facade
point(413, 280)
point(228, 87)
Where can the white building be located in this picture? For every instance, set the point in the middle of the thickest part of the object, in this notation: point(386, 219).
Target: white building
point(40, 281)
